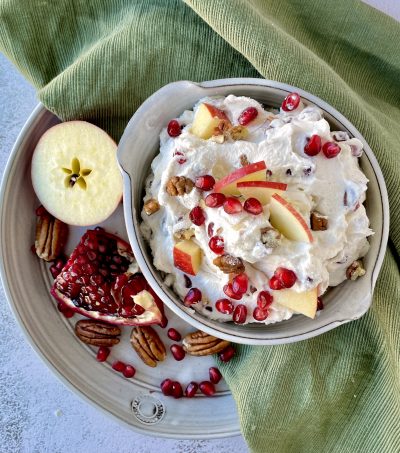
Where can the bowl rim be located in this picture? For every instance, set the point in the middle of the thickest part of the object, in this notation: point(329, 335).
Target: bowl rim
point(133, 233)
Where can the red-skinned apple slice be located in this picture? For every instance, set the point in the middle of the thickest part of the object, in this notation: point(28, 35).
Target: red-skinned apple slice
point(187, 257)
point(304, 302)
point(251, 172)
point(286, 219)
point(261, 190)
point(206, 119)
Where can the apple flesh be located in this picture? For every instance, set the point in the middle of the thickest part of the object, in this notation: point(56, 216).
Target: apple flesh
point(286, 219)
point(187, 257)
point(75, 173)
point(304, 302)
point(251, 172)
point(206, 119)
point(262, 190)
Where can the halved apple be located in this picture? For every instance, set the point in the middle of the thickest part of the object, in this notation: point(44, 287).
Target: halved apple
point(304, 302)
point(206, 119)
point(187, 256)
point(262, 190)
point(286, 219)
point(251, 172)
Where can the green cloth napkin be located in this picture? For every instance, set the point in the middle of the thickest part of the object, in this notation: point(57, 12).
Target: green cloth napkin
point(99, 59)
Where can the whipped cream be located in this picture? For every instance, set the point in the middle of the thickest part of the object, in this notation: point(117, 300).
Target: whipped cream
point(334, 187)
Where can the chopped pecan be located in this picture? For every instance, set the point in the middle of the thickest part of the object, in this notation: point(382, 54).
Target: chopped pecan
point(225, 130)
point(151, 206)
point(148, 345)
point(179, 185)
point(184, 233)
point(270, 237)
point(318, 221)
point(97, 333)
point(51, 235)
point(229, 264)
point(355, 270)
point(222, 128)
point(238, 133)
point(200, 343)
point(244, 161)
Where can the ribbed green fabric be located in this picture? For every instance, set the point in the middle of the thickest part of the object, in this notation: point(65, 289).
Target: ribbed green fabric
point(98, 60)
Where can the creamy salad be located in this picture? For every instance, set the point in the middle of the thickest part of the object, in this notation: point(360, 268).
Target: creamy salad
point(272, 257)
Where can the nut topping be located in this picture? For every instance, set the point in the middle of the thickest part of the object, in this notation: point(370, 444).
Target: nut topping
point(151, 206)
point(179, 185)
point(148, 345)
point(270, 237)
point(200, 344)
point(225, 130)
point(318, 221)
point(244, 161)
point(355, 270)
point(97, 333)
point(229, 264)
point(51, 235)
point(184, 234)
point(238, 133)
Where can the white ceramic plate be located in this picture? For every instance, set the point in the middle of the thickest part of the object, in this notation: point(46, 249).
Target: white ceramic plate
point(137, 402)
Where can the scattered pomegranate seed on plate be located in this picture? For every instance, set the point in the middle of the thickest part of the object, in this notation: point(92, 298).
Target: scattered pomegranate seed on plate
point(313, 145)
point(215, 375)
point(205, 182)
point(207, 388)
point(224, 306)
point(192, 297)
point(102, 354)
point(227, 354)
point(174, 128)
point(129, 371)
point(215, 200)
point(291, 102)
point(240, 314)
point(177, 391)
point(216, 244)
point(247, 116)
point(119, 366)
point(174, 335)
point(191, 389)
point(253, 206)
point(197, 216)
point(232, 205)
point(331, 149)
point(167, 386)
point(177, 351)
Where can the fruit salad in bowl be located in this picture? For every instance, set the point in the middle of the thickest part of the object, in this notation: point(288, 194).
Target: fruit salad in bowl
point(252, 213)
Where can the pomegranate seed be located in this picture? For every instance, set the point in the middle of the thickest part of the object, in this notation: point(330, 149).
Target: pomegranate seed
point(205, 182)
point(227, 354)
point(197, 216)
point(54, 271)
point(275, 283)
point(259, 314)
point(286, 277)
point(181, 160)
point(215, 200)
point(188, 282)
point(65, 310)
point(228, 290)
point(291, 102)
point(192, 297)
point(240, 314)
point(232, 205)
point(40, 210)
point(191, 389)
point(102, 354)
point(313, 146)
point(320, 304)
point(174, 334)
point(331, 149)
point(129, 371)
point(264, 300)
point(164, 322)
point(177, 391)
point(167, 387)
point(174, 128)
point(177, 351)
point(247, 115)
point(215, 375)
point(210, 229)
point(207, 388)
point(240, 283)
point(216, 244)
point(253, 206)
point(224, 306)
point(119, 366)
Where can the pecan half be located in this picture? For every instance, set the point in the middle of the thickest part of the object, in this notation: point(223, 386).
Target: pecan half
point(151, 206)
point(318, 221)
point(97, 333)
point(355, 270)
point(179, 185)
point(200, 343)
point(51, 236)
point(270, 237)
point(229, 264)
point(148, 345)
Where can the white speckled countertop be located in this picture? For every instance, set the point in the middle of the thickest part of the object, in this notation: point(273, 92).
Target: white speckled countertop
point(38, 414)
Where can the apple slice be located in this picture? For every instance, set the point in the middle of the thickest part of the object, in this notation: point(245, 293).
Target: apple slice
point(262, 190)
point(251, 172)
point(304, 303)
point(206, 119)
point(75, 173)
point(286, 219)
point(187, 257)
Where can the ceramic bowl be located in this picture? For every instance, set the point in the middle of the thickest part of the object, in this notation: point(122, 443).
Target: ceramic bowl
point(140, 144)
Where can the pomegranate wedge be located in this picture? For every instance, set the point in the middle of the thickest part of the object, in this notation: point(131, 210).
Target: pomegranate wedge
point(97, 281)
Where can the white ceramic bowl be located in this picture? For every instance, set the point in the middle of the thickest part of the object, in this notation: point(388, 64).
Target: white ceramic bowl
point(140, 144)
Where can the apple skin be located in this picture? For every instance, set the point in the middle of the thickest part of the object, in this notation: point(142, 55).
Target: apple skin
point(187, 257)
point(304, 302)
point(262, 190)
point(206, 119)
point(251, 172)
point(286, 219)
